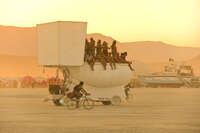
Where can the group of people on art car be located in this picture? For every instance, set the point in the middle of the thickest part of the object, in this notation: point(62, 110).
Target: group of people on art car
point(100, 53)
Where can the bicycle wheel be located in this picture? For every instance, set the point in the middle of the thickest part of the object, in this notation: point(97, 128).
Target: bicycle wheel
point(71, 104)
point(88, 104)
point(65, 100)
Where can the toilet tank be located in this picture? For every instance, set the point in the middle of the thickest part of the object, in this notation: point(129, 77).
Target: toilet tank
point(61, 43)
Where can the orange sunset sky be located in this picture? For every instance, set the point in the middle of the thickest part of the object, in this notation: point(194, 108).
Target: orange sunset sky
point(172, 21)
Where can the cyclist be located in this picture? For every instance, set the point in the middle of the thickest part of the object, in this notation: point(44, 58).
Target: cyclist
point(77, 92)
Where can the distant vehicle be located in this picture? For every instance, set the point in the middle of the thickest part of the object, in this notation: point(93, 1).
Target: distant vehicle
point(195, 82)
point(173, 76)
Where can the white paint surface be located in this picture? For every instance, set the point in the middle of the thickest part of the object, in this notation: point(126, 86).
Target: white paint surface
point(100, 78)
point(61, 43)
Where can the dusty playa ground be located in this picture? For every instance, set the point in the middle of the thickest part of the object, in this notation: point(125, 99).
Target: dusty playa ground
point(160, 110)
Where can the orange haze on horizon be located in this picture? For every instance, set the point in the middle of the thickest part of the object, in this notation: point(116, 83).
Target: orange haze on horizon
point(173, 21)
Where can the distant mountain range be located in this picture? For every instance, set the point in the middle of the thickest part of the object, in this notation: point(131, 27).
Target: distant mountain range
point(23, 42)
point(19, 66)
point(18, 52)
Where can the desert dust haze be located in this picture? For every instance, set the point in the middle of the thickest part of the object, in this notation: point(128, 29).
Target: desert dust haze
point(18, 52)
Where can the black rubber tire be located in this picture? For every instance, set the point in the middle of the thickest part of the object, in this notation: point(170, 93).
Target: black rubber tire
point(106, 102)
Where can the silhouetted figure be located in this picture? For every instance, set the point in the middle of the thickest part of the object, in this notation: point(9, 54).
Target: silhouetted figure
point(92, 47)
point(77, 92)
point(98, 49)
point(117, 58)
point(114, 51)
point(123, 60)
point(111, 61)
point(90, 60)
point(123, 55)
point(102, 60)
point(105, 48)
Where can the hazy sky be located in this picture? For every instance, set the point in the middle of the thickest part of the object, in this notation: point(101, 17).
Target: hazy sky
point(173, 21)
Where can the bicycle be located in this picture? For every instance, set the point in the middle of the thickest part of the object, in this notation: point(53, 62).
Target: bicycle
point(84, 101)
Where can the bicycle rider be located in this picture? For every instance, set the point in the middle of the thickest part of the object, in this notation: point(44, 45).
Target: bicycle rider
point(127, 90)
point(77, 92)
